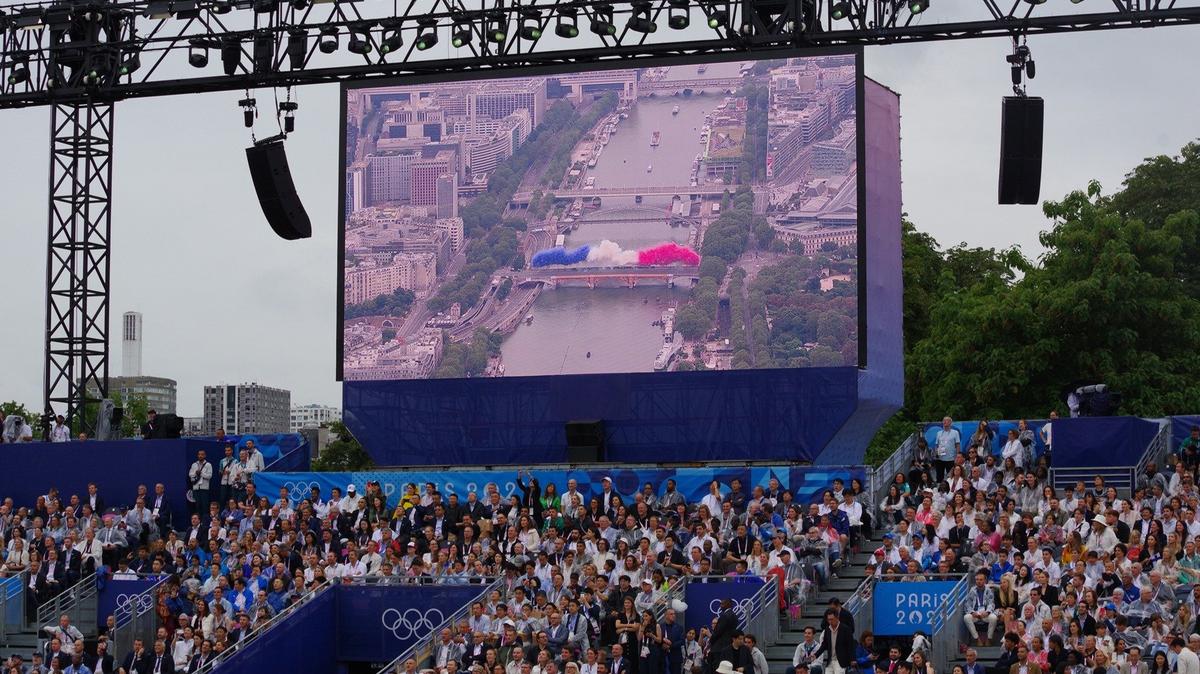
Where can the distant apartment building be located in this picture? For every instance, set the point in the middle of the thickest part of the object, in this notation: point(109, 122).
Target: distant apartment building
point(246, 408)
point(499, 99)
point(159, 392)
point(313, 416)
point(423, 177)
point(369, 279)
point(447, 197)
point(388, 176)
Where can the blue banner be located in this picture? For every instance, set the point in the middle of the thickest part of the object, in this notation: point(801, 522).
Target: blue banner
point(1181, 430)
point(900, 609)
point(704, 600)
point(118, 598)
point(805, 482)
point(377, 623)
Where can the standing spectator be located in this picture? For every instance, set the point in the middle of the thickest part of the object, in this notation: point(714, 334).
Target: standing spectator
point(199, 475)
point(1047, 434)
point(225, 468)
point(150, 428)
point(947, 445)
point(60, 432)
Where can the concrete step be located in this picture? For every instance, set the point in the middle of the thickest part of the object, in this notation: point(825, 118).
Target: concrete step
point(779, 652)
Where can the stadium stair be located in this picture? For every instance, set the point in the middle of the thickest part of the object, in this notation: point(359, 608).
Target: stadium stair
point(791, 632)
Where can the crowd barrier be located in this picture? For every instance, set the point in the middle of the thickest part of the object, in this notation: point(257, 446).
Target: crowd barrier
point(805, 482)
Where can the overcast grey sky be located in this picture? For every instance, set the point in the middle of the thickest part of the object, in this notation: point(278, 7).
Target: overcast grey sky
point(224, 300)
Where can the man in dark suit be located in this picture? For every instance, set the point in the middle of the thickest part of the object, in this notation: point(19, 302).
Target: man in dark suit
point(73, 561)
point(973, 665)
point(150, 428)
point(720, 643)
point(52, 575)
point(161, 662)
point(845, 616)
point(618, 663)
point(94, 500)
point(837, 640)
point(135, 660)
point(160, 509)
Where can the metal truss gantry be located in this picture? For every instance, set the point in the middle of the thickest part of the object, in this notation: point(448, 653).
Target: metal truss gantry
point(77, 257)
point(80, 56)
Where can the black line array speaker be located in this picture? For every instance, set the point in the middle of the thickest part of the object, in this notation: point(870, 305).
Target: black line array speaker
point(1021, 149)
point(585, 441)
point(276, 191)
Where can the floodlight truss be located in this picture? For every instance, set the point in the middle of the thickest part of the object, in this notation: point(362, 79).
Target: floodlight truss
point(72, 49)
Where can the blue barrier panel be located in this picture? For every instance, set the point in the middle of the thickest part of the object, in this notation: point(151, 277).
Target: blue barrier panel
point(272, 445)
point(375, 624)
point(704, 599)
point(14, 611)
point(307, 642)
point(903, 608)
point(1101, 441)
point(117, 468)
point(117, 598)
point(805, 482)
point(1181, 429)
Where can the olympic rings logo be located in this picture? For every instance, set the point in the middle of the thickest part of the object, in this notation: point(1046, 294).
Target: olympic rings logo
point(411, 623)
point(299, 490)
point(126, 603)
point(741, 608)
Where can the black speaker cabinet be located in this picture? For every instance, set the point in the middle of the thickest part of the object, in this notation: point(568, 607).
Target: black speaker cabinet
point(276, 192)
point(585, 441)
point(1021, 149)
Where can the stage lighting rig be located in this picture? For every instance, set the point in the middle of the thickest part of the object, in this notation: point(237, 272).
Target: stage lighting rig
point(640, 20)
point(602, 21)
point(130, 65)
point(497, 28)
point(231, 55)
point(297, 47)
point(19, 70)
point(198, 52)
point(918, 6)
point(249, 109)
point(531, 24)
point(677, 14)
point(567, 23)
point(461, 34)
point(328, 43)
point(839, 10)
point(393, 39)
point(427, 34)
point(288, 110)
point(360, 40)
point(1021, 65)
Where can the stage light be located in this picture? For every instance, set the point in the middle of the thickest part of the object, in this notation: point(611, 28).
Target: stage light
point(497, 31)
point(329, 40)
point(918, 6)
point(1036, 2)
point(461, 36)
point(427, 37)
point(718, 18)
point(360, 41)
point(393, 39)
point(677, 15)
point(531, 25)
point(19, 72)
point(602, 21)
point(839, 11)
point(288, 110)
point(567, 24)
point(640, 21)
point(297, 47)
point(130, 65)
point(198, 53)
point(231, 55)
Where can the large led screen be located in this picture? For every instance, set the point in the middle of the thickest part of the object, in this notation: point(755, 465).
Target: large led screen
point(700, 216)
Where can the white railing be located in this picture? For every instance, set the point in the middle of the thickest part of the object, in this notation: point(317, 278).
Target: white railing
point(859, 605)
point(424, 645)
point(762, 618)
point(73, 602)
point(12, 604)
point(947, 628)
point(899, 462)
point(137, 618)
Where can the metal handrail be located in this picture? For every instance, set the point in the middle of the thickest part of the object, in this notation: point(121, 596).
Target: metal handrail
point(859, 602)
point(67, 600)
point(1157, 450)
point(129, 617)
point(899, 461)
point(276, 619)
point(947, 627)
point(426, 642)
point(762, 619)
point(675, 590)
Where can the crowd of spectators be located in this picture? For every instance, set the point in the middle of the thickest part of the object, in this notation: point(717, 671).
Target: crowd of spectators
point(232, 558)
point(1078, 580)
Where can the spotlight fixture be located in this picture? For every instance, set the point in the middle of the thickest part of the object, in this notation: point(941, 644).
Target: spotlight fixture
point(197, 53)
point(640, 21)
point(461, 36)
point(427, 35)
point(918, 6)
point(497, 30)
point(360, 41)
point(393, 40)
point(288, 110)
point(718, 17)
point(677, 15)
point(130, 65)
point(531, 24)
point(248, 111)
point(568, 22)
point(329, 40)
point(297, 47)
point(231, 55)
point(19, 72)
point(602, 21)
point(839, 11)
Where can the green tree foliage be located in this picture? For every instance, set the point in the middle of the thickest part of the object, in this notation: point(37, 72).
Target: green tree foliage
point(754, 146)
point(498, 248)
point(1115, 298)
point(468, 359)
point(342, 454)
point(396, 303)
point(692, 322)
point(504, 289)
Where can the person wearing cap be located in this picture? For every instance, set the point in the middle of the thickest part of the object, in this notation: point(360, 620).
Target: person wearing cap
point(349, 504)
point(1102, 538)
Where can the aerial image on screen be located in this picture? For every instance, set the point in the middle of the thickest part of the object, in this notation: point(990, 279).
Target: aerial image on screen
point(687, 217)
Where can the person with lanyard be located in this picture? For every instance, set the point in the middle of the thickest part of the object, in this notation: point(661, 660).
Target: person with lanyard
point(672, 642)
point(226, 471)
point(198, 476)
point(61, 432)
point(807, 648)
point(947, 444)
